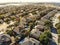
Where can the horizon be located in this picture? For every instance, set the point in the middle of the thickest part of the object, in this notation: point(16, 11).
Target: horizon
point(33, 1)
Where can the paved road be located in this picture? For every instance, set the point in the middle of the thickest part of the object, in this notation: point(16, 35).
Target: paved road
point(55, 36)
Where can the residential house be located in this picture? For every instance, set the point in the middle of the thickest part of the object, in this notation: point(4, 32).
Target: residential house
point(5, 39)
point(16, 30)
point(35, 33)
point(40, 27)
point(50, 14)
point(40, 22)
point(29, 41)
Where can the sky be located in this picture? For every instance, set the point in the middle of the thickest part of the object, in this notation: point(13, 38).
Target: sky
point(5, 1)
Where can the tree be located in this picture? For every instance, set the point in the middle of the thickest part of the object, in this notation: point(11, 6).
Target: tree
point(31, 25)
point(59, 18)
point(11, 33)
point(48, 24)
point(48, 34)
point(16, 23)
point(58, 38)
point(45, 38)
point(1, 17)
point(58, 31)
point(58, 25)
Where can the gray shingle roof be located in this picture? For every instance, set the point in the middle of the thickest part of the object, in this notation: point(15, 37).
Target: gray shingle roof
point(4, 38)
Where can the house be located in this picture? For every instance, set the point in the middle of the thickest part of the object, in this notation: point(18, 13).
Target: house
point(29, 41)
point(5, 39)
point(40, 27)
point(18, 29)
point(14, 44)
point(35, 33)
point(50, 14)
point(40, 22)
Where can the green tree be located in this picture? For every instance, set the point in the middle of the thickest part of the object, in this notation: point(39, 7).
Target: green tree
point(48, 24)
point(58, 25)
point(59, 18)
point(45, 38)
point(58, 38)
point(58, 31)
point(10, 32)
